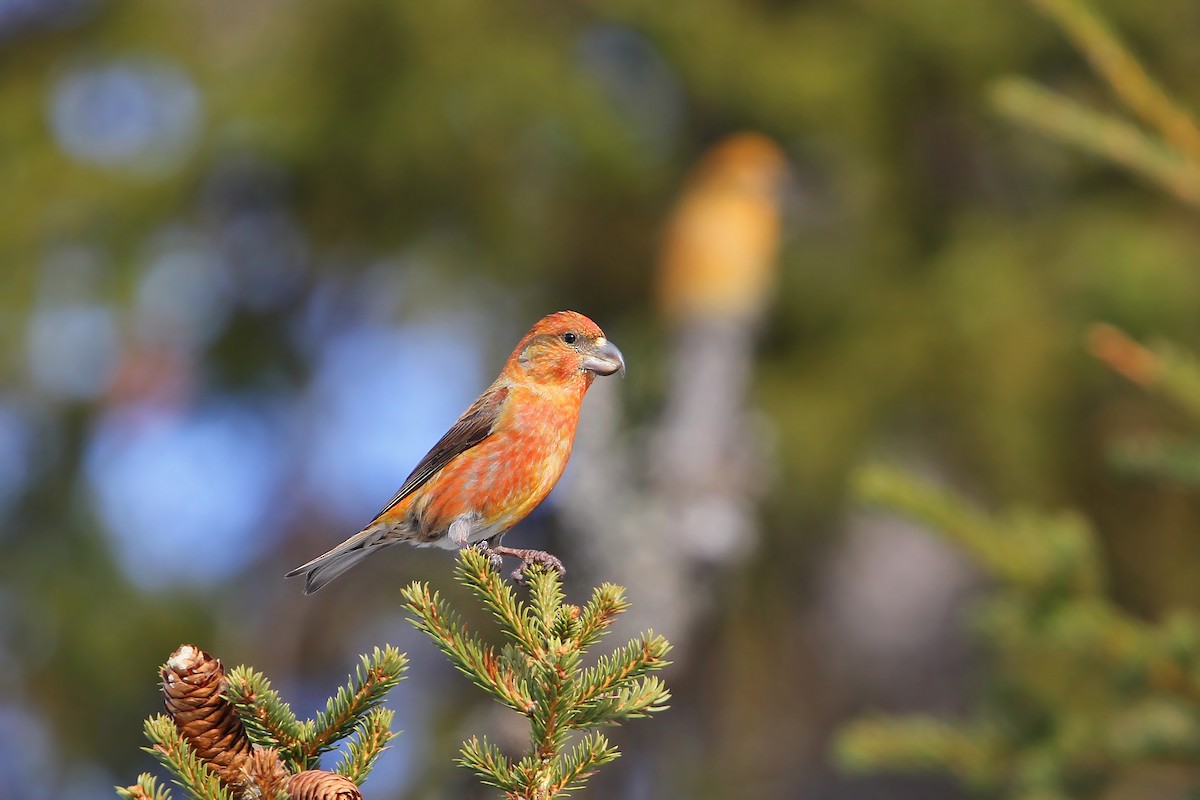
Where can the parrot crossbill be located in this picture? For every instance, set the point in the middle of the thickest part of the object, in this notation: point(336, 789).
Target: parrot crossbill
point(498, 461)
point(720, 251)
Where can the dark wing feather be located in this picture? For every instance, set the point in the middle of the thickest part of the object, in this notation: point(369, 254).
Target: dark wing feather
point(475, 425)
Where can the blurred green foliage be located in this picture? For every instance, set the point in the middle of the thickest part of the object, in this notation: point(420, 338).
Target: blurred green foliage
point(941, 271)
point(1084, 699)
point(1081, 693)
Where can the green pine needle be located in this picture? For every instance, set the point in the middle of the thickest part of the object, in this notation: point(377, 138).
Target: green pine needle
point(592, 752)
point(607, 603)
point(516, 619)
point(467, 653)
point(372, 733)
point(540, 673)
point(491, 765)
point(626, 664)
point(546, 598)
point(372, 680)
point(192, 774)
point(269, 721)
point(149, 788)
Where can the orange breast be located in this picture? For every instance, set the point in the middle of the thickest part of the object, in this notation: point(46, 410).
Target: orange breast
point(507, 475)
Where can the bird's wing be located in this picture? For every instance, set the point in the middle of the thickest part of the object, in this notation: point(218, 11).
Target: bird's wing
point(476, 424)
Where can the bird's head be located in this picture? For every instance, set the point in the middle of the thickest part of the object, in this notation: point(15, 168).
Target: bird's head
point(565, 347)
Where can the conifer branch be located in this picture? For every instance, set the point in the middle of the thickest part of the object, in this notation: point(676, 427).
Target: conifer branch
point(372, 734)
point(543, 660)
point(1162, 367)
point(1178, 377)
point(551, 688)
point(495, 675)
point(491, 765)
point(1039, 551)
point(1083, 691)
point(1164, 457)
point(375, 676)
point(1121, 142)
point(546, 598)
point(1173, 373)
point(1050, 641)
point(267, 776)
point(919, 744)
point(589, 754)
point(515, 618)
point(232, 737)
point(193, 774)
point(269, 721)
point(599, 614)
point(1168, 155)
point(146, 788)
point(639, 699)
point(1123, 72)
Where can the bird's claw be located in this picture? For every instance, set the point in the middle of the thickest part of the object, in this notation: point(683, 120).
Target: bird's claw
point(495, 560)
point(495, 554)
point(531, 557)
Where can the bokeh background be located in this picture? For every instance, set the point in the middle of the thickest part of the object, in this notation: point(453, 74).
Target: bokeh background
point(256, 257)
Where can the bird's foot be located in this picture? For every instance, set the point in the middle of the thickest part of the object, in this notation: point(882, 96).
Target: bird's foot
point(496, 560)
point(528, 559)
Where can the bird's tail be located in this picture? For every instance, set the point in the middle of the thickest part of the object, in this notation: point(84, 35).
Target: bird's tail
point(327, 566)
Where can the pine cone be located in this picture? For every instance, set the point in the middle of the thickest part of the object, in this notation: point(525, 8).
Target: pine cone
point(193, 682)
point(317, 784)
point(265, 775)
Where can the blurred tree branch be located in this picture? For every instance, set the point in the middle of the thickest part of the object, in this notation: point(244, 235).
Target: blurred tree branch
point(1082, 691)
point(1111, 59)
point(1168, 155)
point(1121, 142)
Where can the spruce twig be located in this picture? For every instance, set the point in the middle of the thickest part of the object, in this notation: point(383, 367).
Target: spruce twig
point(491, 765)
point(1083, 691)
point(1162, 367)
point(515, 618)
point(232, 737)
point(1039, 551)
point(920, 743)
point(1168, 154)
point(377, 674)
point(372, 733)
point(146, 788)
point(502, 677)
point(1125, 74)
point(1174, 374)
point(193, 774)
point(1051, 640)
point(541, 675)
point(269, 721)
point(1121, 142)
point(589, 754)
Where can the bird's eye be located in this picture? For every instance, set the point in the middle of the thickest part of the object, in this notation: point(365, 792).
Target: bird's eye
point(569, 338)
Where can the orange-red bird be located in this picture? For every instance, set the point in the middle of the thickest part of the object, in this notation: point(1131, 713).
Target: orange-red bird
point(498, 461)
point(721, 249)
